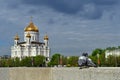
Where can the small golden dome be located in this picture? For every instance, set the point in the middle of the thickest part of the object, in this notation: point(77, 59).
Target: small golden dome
point(31, 27)
point(28, 35)
point(17, 37)
point(46, 37)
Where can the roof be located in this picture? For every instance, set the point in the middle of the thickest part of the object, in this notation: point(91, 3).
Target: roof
point(31, 27)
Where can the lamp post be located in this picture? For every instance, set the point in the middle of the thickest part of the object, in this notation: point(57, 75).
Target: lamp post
point(61, 60)
point(32, 61)
point(58, 61)
point(115, 55)
point(98, 59)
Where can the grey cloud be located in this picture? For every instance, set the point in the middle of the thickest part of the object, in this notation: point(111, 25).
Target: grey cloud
point(65, 6)
point(91, 11)
point(105, 2)
point(51, 21)
point(32, 11)
point(13, 4)
point(75, 6)
point(61, 5)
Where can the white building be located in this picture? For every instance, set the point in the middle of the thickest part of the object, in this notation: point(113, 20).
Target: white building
point(115, 52)
point(31, 45)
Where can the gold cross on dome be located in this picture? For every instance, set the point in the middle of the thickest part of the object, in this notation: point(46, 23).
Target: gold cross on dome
point(31, 18)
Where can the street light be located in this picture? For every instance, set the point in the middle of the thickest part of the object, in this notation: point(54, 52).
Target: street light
point(98, 59)
point(115, 55)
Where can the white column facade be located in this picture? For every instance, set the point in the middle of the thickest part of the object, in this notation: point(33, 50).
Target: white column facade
point(34, 36)
point(16, 51)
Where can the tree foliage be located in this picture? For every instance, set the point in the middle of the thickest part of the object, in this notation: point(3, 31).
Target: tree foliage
point(58, 59)
point(26, 62)
point(55, 60)
point(97, 51)
point(111, 60)
point(39, 61)
point(98, 57)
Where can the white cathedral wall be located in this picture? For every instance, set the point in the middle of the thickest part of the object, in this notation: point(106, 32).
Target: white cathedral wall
point(25, 51)
point(46, 43)
point(16, 51)
point(34, 36)
point(33, 51)
point(46, 51)
point(39, 49)
point(29, 50)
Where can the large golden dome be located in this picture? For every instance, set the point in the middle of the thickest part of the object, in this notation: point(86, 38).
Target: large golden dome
point(31, 27)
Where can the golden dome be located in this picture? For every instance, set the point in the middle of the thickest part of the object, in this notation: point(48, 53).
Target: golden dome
point(17, 37)
point(31, 27)
point(46, 37)
point(28, 35)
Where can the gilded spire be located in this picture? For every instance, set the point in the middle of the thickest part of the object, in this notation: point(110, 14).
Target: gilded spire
point(31, 18)
point(16, 37)
point(31, 26)
point(28, 35)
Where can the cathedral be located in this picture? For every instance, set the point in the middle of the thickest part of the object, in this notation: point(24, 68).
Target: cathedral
point(31, 46)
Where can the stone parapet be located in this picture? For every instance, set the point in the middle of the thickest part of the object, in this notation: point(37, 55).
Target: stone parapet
point(60, 73)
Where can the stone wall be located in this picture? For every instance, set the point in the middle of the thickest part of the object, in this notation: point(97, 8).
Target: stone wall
point(29, 74)
point(4, 74)
point(86, 74)
point(61, 73)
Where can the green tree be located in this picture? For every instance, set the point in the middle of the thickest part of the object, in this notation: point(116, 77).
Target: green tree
point(118, 47)
point(111, 61)
point(118, 61)
point(27, 61)
point(39, 61)
point(64, 60)
point(4, 63)
point(98, 55)
point(102, 59)
point(97, 51)
point(11, 62)
point(16, 62)
point(73, 61)
point(55, 60)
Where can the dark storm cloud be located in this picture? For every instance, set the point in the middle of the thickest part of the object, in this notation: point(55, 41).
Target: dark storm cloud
point(105, 2)
point(75, 6)
point(63, 6)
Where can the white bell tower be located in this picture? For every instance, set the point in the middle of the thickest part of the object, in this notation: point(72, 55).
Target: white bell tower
point(16, 40)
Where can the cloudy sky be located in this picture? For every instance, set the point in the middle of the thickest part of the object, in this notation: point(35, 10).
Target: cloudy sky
point(73, 26)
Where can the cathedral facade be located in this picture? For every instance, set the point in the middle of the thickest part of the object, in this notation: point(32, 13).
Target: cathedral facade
point(31, 46)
